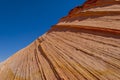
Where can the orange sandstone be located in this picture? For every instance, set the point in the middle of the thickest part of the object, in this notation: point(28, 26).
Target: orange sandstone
point(85, 45)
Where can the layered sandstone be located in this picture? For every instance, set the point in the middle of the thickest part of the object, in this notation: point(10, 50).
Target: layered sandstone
point(95, 13)
point(85, 45)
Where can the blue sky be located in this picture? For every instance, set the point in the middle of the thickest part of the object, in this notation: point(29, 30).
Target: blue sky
point(22, 21)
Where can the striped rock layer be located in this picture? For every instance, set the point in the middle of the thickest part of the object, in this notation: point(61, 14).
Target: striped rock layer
point(85, 45)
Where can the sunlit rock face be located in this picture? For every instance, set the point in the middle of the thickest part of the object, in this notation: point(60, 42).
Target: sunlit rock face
point(96, 13)
point(84, 45)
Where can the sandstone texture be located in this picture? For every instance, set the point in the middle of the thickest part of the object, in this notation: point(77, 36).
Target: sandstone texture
point(95, 13)
point(84, 45)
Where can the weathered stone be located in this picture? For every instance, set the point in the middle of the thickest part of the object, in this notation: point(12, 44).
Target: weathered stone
point(85, 45)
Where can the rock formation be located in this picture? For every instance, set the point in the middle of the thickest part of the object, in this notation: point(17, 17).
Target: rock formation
point(85, 45)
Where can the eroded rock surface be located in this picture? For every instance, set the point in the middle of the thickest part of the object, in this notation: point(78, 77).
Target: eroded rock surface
point(95, 13)
point(82, 46)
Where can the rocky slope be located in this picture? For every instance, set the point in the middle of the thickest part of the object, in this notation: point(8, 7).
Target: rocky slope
point(85, 45)
point(96, 13)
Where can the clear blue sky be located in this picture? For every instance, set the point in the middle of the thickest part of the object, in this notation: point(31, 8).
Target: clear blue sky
point(22, 21)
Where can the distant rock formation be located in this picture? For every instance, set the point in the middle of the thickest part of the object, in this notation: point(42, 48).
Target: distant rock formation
point(84, 45)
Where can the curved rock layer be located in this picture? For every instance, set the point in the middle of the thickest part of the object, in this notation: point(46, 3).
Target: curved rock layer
point(67, 53)
point(71, 51)
point(95, 13)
